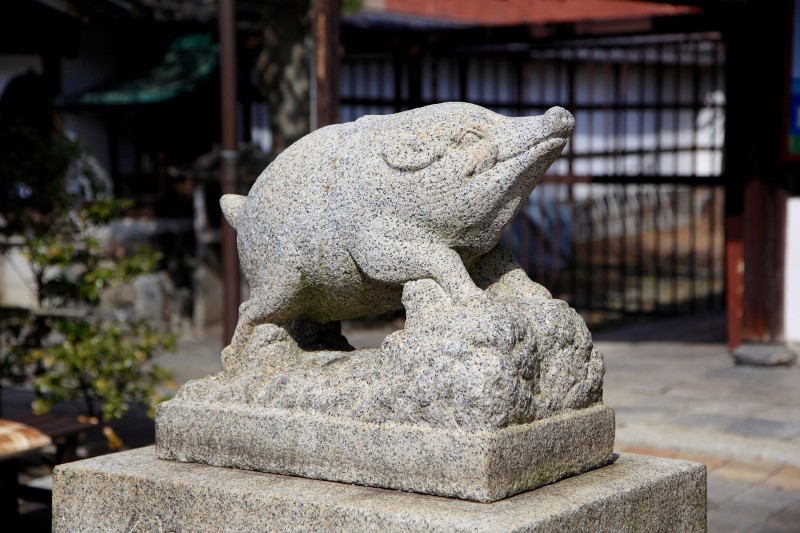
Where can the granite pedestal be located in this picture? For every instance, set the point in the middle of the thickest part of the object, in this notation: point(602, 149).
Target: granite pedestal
point(474, 465)
point(135, 491)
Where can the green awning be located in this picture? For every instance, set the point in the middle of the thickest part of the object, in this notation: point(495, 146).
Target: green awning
point(188, 62)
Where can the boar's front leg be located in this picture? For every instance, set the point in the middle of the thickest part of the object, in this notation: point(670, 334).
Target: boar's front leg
point(392, 259)
point(499, 272)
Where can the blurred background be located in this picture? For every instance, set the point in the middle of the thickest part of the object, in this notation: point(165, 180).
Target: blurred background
point(648, 213)
point(123, 121)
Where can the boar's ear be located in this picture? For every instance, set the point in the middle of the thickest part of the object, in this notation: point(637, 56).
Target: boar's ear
point(409, 151)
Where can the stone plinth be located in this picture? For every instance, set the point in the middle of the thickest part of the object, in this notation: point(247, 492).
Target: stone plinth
point(135, 491)
point(478, 402)
point(474, 465)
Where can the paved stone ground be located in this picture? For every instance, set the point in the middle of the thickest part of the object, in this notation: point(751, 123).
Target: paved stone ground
point(677, 394)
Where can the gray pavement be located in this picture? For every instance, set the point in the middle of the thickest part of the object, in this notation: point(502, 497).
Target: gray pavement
point(677, 394)
point(682, 397)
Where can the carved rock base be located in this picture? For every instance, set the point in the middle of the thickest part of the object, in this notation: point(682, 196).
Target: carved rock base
point(135, 492)
point(474, 465)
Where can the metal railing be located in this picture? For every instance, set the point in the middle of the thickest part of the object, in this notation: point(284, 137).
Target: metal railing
point(630, 219)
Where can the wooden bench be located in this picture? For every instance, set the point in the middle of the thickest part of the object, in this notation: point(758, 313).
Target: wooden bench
point(27, 434)
point(65, 431)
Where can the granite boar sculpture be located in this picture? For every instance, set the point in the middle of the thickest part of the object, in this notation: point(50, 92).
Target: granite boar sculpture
point(335, 226)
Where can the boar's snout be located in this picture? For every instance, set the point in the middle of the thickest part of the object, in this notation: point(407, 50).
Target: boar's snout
point(559, 122)
point(518, 135)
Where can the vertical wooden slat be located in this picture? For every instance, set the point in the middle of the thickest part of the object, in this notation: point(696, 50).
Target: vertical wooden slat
point(694, 215)
point(658, 108)
point(573, 277)
point(640, 268)
point(463, 76)
point(397, 71)
point(608, 190)
point(675, 263)
point(620, 99)
point(717, 301)
point(230, 258)
point(414, 66)
point(591, 265)
point(326, 53)
point(434, 74)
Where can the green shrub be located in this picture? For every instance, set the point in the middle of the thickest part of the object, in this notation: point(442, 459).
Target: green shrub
point(65, 347)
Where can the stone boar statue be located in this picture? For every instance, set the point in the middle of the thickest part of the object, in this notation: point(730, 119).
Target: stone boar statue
point(335, 226)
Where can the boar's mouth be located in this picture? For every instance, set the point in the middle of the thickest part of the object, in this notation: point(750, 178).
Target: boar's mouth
point(541, 148)
point(540, 135)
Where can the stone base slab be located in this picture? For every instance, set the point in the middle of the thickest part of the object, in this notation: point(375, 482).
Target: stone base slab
point(135, 491)
point(481, 466)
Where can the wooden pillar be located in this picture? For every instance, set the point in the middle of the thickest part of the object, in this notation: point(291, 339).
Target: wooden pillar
point(755, 187)
point(231, 278)
point(325, 28)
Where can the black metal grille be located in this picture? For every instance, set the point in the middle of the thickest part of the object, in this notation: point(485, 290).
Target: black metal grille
point(630, 219)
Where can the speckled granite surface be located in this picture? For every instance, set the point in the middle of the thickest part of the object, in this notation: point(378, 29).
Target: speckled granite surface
point(478, 402)
point(335, 226)
point(474, 465)
point(512, 359)
point(492, 388)
point(136, 492)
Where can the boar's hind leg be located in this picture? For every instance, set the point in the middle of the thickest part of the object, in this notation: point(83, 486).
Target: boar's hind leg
point(274, 302)
point(501, 272)
point(395, 261)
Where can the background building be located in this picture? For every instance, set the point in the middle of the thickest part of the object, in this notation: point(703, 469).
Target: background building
point(677, 194)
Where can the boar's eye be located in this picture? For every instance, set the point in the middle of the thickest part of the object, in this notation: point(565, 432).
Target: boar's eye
point(409, 151)
point(471, 136)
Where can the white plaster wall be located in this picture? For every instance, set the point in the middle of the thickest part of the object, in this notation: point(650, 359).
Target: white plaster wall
point(16, 281)
point(16, 277)
point(791, 305)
